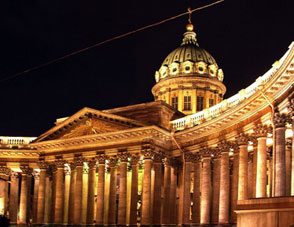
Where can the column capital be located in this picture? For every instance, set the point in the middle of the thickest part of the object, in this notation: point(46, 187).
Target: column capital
point(157, 157)
point(123, 156)
point(112, 162)
point(242, 139)
point(280, 120)
point(253, 139)
point(291, 108)
point(224, 145)
point(236, 148)
point(79, 161)
point(3, 169)
point(14, 175)
point(59, 163)
point(43, 165)
point(26, 170)
point(148, 152)
point(206, 152)
point(261, 130)
point(72, 166)
point(188, 157)
point(135, 159)
point(92, 163)
point(101, 159)
point(289, 144)
point(216, 152)
point(36, 175)
point(67, 170)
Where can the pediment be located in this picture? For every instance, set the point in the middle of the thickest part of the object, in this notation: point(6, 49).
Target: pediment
point(88, 122)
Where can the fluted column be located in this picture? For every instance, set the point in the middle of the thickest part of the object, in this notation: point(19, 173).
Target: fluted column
point(250, 175)
point(35, 197)
point(196, 192)
point(147, 151)
point(58, 208)
point(72, 186)
point(215, 185)
point(112, 192)
point(134, 190)
point(224, 198)
point(78, 194)
point(261, 177)
point(91, 191)
point(280, 159)
point(13, 198)
point(205, 188)
point(100, 190)
point(173, 192)
point(41, 193)
point(122, 202)
point(242, 141)
point(288, 166)
point(24, 195)
point(291, 116)
point(235, 179)
point(66, 208)
point(166, 192)
point(254, 179)
point(4, 174)
point(157, 166)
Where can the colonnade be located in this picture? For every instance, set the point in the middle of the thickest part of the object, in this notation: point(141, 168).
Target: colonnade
point(199, 188)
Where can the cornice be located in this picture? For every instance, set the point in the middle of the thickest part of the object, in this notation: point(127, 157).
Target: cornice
point(100, 139)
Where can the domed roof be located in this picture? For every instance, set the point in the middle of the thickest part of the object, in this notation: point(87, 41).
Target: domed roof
point(189, 60)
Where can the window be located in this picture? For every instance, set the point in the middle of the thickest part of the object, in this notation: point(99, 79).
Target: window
point(175, 102)
point(211, 102)
point(199, 103)
point(187, 102)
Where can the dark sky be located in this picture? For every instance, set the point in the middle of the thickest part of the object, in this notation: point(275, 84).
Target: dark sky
point(244, 36)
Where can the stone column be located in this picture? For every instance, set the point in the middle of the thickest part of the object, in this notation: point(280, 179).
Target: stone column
point(4, 174)
point(224, 198)
point(91, 191)
point(291, 116)
point(196, 192)
point(280, 160)
point(235, 179)
point(100, 190)
point(157, 166)
point(66, 208)
point(41, 193)
point(122, 202)
point(53, 192)
point(173, 192)
point(13, 198)
point(35, 197)
point(242, 141)
point(58, 210)
point(206, 188)
point(185, 195)
point(261, 178)
point(48, 196)
point(254, 141)
point(250, 175)
point(288, 166)
point(24, 195)
point(147, 151)
point(78, 195)
point(112, 192)
point(134, 191)
point(166, 192)
point(72, 186)
point(215, 185)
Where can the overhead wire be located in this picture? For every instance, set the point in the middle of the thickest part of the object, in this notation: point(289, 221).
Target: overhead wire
point(109, 40)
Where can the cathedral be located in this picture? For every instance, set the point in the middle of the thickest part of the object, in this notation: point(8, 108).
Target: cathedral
point(189, 158)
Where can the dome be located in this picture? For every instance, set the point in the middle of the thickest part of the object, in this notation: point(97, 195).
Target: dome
point(189, 60)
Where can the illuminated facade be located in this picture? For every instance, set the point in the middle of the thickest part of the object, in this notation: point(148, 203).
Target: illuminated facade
point(166, 162)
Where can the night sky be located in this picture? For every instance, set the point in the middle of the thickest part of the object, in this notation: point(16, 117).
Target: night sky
point(245, 37)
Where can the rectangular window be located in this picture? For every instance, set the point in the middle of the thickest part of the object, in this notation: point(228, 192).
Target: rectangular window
point(200, 103)
point(187, 102)
point(175, 102)
point(211, 102)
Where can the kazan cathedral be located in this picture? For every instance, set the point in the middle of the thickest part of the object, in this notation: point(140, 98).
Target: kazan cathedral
point(190, 158)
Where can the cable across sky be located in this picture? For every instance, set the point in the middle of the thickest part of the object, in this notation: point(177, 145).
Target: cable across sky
point(108, 40)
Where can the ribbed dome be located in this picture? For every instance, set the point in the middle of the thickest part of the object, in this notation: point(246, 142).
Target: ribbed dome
point(189, 60)
point(189, 52)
